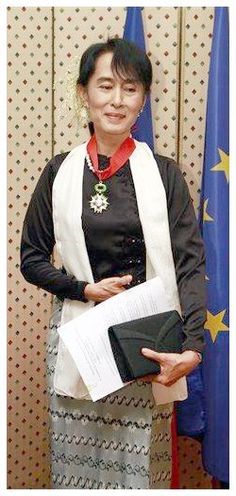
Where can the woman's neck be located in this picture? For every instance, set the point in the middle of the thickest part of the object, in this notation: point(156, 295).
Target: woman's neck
point(107, 145)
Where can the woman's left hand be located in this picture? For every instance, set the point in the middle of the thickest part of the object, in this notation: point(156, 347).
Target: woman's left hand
point(173, 365)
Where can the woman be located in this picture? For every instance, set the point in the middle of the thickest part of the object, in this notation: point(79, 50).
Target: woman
point(118, 216)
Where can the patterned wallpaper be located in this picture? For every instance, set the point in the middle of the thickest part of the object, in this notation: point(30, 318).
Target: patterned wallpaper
point(29, 147)
point(42, 41)
point(197, 26)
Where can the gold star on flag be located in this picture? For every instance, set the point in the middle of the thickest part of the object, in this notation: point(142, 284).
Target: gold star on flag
point(223, 165)
point(206, 216)
point(215, 324)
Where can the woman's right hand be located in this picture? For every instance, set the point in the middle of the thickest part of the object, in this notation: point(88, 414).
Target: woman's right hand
point(104, 289)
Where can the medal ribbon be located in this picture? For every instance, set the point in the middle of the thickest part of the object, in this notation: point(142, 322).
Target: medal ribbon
point(117, 160)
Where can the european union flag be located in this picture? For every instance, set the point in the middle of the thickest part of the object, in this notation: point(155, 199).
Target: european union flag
point(133, 31)
point(215, 231)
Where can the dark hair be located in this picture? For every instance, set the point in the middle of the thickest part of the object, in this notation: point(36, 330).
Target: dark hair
point(128, 60)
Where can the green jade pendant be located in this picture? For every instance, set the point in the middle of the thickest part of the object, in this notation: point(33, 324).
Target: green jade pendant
point(98, 202)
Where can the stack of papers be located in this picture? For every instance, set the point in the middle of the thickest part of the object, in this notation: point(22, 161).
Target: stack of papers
point(86, 339)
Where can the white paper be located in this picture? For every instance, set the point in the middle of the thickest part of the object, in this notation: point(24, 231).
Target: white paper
point(86, 338)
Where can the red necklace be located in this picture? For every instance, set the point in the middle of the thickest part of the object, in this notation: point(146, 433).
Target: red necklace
point(99, 201)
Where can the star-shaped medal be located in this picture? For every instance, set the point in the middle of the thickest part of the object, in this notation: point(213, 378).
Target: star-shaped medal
point(98, 203)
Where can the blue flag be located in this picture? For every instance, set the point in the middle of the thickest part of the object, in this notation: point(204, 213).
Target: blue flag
point(191, 417)
point(190, 414)
point(133, 31)
point(215, 231)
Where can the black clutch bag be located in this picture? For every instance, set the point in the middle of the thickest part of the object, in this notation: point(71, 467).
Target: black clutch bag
point(161, 332)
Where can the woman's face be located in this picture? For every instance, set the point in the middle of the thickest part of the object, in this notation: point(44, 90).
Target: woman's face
point(114, 103)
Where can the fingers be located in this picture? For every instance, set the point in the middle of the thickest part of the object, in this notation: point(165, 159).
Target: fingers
point(159, 379)
point(117, 281)
point(149, 378)
point(106, 288)
point(172, 366)
point(163, 380)
point(153, 355)
point(125, 280)
point(114, 285)
point(112, 290)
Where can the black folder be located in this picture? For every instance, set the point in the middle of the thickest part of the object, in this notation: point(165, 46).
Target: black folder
point(161, 332)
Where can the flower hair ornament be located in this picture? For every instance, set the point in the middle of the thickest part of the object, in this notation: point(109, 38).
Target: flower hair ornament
point(72, 100)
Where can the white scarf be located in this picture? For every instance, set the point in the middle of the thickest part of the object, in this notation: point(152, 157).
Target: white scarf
point(70, 242)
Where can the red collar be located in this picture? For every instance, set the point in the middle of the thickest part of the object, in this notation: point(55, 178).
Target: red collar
point(117, 160)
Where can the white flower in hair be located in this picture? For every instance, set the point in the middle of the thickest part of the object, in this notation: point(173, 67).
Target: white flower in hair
point(73, 100)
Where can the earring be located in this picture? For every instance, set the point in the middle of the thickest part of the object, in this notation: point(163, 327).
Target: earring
point(139, 112)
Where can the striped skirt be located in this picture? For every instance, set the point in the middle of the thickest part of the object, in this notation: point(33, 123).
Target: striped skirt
point(122, 441)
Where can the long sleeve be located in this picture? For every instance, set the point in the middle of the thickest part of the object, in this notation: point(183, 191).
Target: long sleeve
point(38, 241)
point(188, 253)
